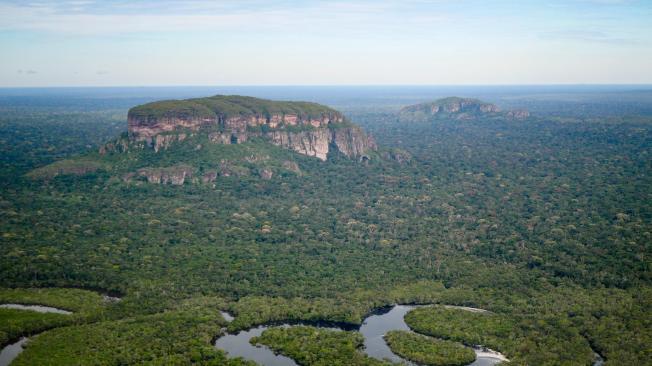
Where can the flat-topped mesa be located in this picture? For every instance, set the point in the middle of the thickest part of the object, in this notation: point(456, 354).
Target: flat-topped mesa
point(308, 128)
point(458, 109)
point(229, 112)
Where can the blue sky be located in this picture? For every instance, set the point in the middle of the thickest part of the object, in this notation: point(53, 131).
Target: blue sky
point(253, 42)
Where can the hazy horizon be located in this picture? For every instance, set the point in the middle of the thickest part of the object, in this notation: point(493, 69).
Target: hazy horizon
point(86, 43)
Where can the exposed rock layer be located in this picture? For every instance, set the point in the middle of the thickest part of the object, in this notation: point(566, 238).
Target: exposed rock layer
point(307, 128)
point(175, 175)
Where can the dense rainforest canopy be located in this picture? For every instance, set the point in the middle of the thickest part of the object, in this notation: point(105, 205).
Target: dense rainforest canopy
point(546, 222)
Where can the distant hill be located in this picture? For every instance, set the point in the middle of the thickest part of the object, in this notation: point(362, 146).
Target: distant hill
point(456, 108)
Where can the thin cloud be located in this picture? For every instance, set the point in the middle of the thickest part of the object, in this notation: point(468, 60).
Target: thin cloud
point(89, 18)
point(587, 36)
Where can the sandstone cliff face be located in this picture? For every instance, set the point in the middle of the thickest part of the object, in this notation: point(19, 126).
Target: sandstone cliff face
point(232, 113)
point(351, 142)
point(148, 127)
point(307, 128)
point(312, 143)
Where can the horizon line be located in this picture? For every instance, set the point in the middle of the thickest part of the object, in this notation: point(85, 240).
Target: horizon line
point(321, 85)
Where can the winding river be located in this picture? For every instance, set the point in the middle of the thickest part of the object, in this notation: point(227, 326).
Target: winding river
point(373, 329)
point(11, 351)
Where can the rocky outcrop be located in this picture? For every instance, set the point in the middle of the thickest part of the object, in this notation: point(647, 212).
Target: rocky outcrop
point(120, 144)
point(307, 128)
point(220, 138)
point(266, 173)
point(164, 141)
point(351, 142)
point(519, 114)
point(209, 176)
point(148, 127)
point(158, 143)
point(291, 166)
point(455, 108)
point(399, 155)
point(312, 143)
point(175, 175)
point(142, 127)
